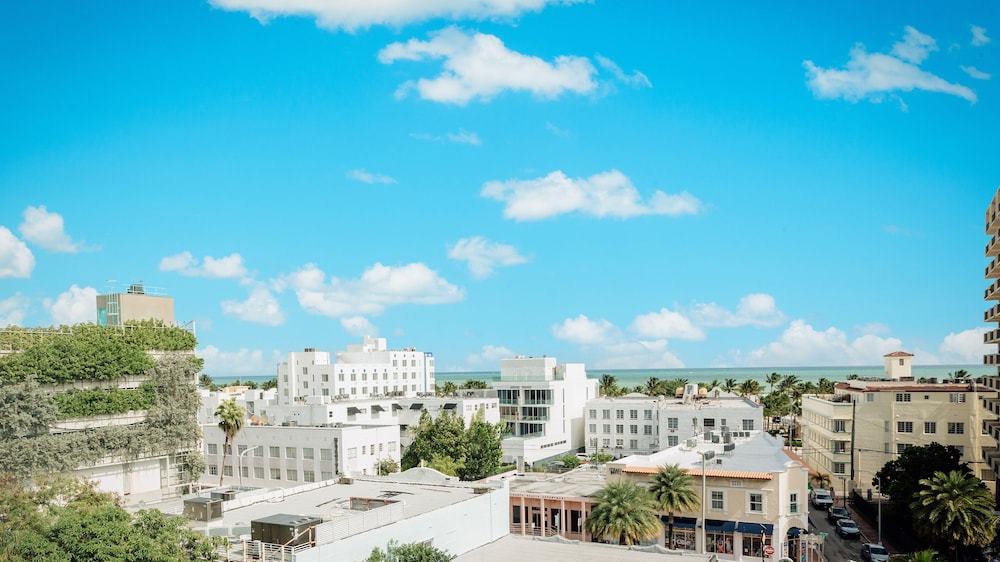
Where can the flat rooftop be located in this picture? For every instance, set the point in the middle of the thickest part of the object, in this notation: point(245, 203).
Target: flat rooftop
point(513, 547)
point(756, 456)
point(581, 482)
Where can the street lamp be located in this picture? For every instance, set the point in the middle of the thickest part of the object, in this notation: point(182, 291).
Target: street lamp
point(878, 486)
point(844, 480)
point(245, 451)
point(705, 456)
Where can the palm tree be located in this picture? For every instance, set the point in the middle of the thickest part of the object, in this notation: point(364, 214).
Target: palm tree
point(623, 512)
point(772, 379)
point(821, 479)
point(929, 555)
point(653, 386)
point(749, 387)
point(230, 416)
point(825, 386)
point(729, 385)
point(955, 508)
point(788, 383)
point(609, 385)
point(673, 490)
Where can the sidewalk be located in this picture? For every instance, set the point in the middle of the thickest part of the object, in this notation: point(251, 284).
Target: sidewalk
point(869, 531)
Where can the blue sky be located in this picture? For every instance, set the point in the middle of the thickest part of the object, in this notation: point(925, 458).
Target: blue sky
point(628, 185)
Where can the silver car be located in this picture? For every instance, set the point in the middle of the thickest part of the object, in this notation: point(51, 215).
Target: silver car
point(873, 552)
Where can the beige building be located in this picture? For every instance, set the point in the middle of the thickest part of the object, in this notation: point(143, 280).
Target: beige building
point(990, 405)
point(136, 302)
point(852, 433)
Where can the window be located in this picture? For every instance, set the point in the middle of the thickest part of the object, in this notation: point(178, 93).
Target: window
point(756, 502)
point(392, 446)
point(352, 453)
point(592, 428)
point(258, 451)
point(839, 426)
point(633, 444)
point(647, 430)
point(901, 447)
point(961, 450)
point(869, 397)
point(672, 440)
point(709, 423)
point(593, 414)
point(606, 442)
point(619, 414)
point(619, 443)
point(275, 474)
point(606, 427)
point(930, 427)
point(956, 428)
point(840, 446)
point(956, 397)
point(839, 467)
point(904, 427)
point(647, 414)
point(292, 474)
point(308, 476)
point(274, 452)
point(258, 472)
point(619, 428)
point(245, 471)
point(326, 475)
point(364, 450)
point(227, 449)
point(290, 453)
point(633, 414)
point(213, 449)
point(213, 470)
point(227, 470)
point(633, 429)
point(793, 502)
point(593, 442)
point(606, 414)
point(747, 425)
point(902, 397)
point(718, 499)
point(326, 454)
point(307, 453)
point(326, 378)
point(671, 423)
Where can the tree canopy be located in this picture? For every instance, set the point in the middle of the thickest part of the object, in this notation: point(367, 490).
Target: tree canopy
point(624, 513)
point(673, 490)
point(900, 477)
point(955, 508)
point(409, 552)
point(444, 444)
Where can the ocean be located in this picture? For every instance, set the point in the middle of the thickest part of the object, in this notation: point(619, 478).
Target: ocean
point(635, 377)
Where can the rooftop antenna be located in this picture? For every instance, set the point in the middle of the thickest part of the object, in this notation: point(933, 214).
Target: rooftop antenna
point(111, 284)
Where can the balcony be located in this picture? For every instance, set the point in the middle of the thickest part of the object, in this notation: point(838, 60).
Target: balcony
point(993, 247)
point(991, 359)
point(990, 293)
point(992, 315)
point(993, 217)
point(992, 427)
point(992, 337)
point(534, 418)
point(991, 271)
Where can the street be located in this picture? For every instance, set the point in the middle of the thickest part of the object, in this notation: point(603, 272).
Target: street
point(835, 548)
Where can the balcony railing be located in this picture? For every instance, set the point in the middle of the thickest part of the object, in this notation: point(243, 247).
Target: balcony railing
point(991, 292)
point(991, 359)
point(993, 247)
point(993, 336)
point(992, 314)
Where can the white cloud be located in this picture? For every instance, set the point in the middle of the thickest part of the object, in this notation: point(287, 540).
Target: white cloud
point(378, 288)
point(244, 362)
point(260, 307)
point(461, 137)
point(976, 73)
point(184, 263)
point(666, 324)
point(74, 306)
point(801, 344)
point(350, 15)
point(873, 76)
point(484, 256)
point(757, 309)
point(13, 310)
point(47, 230)
point(639, 355)
point(490, 354)
point(979, 37)
point(873, 328)
point(556, 130)
point(965, 348)
point(367, 177)
point(636, 79)
point(479, 66)
point(358, 326)
point(902, 231)
point(584, 331)
point(605, 194)
point(16, 259)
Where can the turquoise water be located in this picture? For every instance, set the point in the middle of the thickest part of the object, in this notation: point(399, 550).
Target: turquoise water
point(634, 377)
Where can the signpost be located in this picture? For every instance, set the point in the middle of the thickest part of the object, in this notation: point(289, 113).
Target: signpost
point(768, 550)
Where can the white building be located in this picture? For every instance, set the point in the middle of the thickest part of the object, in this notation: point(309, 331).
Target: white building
point(639, 424)
point(366, 370)
point(278, 456)
point(542, 404)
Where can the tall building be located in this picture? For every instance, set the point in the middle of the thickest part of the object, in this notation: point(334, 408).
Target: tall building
point(852, 433)
point(542, 404)
point(991, 406)
point(365, 370)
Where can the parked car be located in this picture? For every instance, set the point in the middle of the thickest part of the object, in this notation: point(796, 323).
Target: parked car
point(821, 498)
point(873, 552)
point(848, 529)
point(836, 512)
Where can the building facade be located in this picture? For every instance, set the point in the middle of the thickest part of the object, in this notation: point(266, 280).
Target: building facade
point(542, 403)
point(366, 370)
point(990, 452)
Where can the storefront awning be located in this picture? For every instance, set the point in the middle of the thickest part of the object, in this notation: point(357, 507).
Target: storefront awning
point(755, 528)
point(416, 406)
point(680, 522)
point(377, 408)
point(352, 411)
point(720, 526)
point(794, 532)
point(450, 406)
